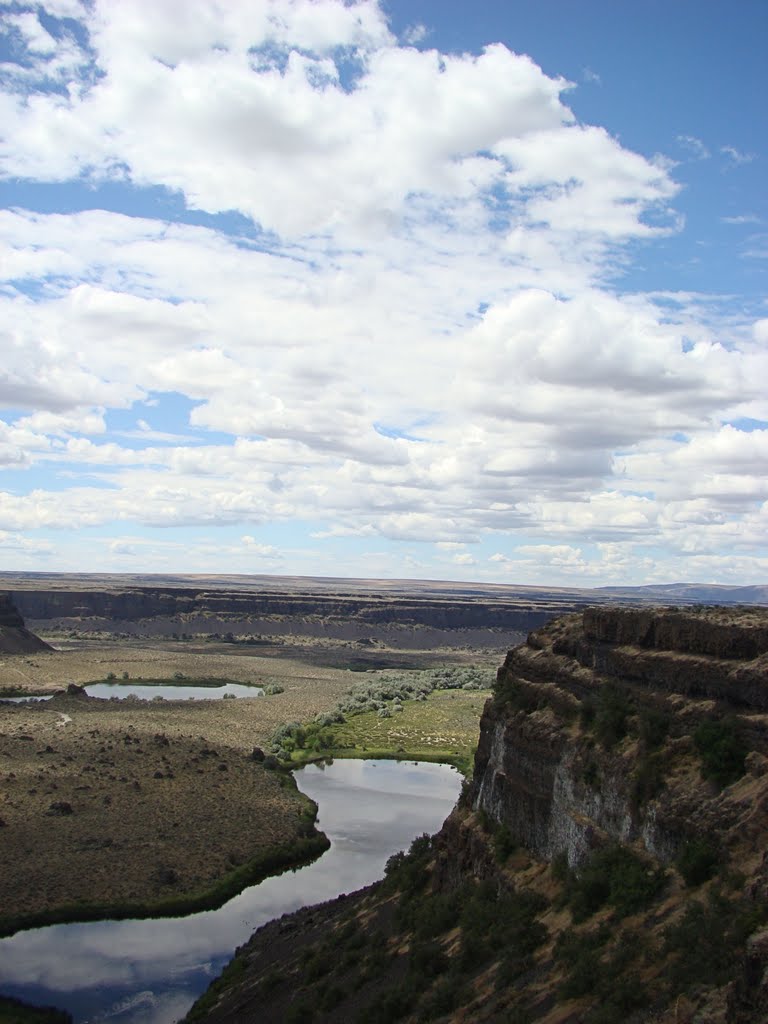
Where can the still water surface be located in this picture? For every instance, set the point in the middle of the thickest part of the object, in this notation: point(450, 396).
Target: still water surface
point(167, 691)
point(150, 972)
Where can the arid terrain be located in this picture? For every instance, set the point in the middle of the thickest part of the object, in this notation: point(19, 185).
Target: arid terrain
point(166, 789)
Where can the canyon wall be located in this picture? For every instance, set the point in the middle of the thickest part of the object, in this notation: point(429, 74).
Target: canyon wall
point(539, 769)
point(166, 609)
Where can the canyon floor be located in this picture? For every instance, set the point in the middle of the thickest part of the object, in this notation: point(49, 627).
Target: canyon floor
point(166, 789)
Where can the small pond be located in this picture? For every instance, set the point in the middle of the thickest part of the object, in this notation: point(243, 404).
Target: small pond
point(170, 692)
point(150, 972)
point(166, 691)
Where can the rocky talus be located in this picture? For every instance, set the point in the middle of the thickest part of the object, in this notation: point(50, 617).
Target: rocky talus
point(608, 862)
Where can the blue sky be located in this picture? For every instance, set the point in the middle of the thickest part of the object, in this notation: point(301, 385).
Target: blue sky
point(385, 290)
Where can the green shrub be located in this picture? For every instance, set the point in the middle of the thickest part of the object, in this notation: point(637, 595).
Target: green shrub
point(613, 709)
point(605, 975)
point(587, 713)
point(615, 876)
point(708, 941)
point(560, 868)
point(580, 955)
point(408, 871)
point(503, 844)
point(299, 1013)
point(448, 994)
point(433, 916)
point(331, 997)
point(647, 780)
point(653, 728)
point(387, 1008)
point(428, 960)
point(721, 750)
point(697, 862)
point(317, 963)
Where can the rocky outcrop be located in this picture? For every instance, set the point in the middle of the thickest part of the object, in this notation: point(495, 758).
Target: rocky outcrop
point(14, 637)
point(542, 772)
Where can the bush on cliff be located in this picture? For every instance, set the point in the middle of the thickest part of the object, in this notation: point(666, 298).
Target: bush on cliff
point(614, 876)
point(697, 862)
point(721, 750)
point(706, 943)
point(613, 710)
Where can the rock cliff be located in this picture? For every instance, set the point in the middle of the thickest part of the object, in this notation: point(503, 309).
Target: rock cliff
point(542, 771)
point(14, 637)
point(168, 609)
point(608, 862)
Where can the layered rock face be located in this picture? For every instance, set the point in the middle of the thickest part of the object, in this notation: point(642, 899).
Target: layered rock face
point(14, 637)
point(163, 608)
point(542, 772)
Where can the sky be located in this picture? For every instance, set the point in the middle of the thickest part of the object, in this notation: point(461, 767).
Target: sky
point(419, 290)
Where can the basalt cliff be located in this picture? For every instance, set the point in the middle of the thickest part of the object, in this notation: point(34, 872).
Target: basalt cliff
point(608, 862)
point(398, 613)
point(14, 637)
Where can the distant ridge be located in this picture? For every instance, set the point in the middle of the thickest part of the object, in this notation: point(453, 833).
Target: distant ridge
point(693, 593)
point(664, 593)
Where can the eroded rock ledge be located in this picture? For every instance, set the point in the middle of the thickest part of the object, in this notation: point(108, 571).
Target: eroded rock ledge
point(543, 774)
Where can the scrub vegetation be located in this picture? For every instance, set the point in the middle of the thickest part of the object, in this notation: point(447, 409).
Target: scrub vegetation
point(431, 715)
point(85, 780)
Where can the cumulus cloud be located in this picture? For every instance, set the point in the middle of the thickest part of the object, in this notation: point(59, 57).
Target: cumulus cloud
point(418, 338)
point(261, 88)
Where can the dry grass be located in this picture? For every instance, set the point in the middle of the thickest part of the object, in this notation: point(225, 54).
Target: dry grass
point(193, 824)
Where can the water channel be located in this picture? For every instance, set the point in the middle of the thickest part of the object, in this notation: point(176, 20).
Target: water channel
point(150, 972)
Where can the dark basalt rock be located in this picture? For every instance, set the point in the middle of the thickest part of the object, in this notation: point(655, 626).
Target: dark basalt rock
point(15, 638)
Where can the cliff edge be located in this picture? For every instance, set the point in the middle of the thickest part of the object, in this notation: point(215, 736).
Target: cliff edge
point(608, 862)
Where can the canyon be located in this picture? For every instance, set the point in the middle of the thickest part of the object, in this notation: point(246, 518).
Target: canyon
point(608, 861)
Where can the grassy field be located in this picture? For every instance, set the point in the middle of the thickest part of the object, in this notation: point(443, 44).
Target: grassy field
point(444, 727)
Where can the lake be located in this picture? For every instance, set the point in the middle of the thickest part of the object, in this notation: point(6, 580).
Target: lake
point(166, 691)
point(151, 971)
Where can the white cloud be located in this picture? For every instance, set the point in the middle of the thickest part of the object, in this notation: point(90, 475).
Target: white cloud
point(424, 347)
point(415, 34)
point(28, 27)
point(736, 157)
point(744, 218)
point(695, 147)
point(413, 123)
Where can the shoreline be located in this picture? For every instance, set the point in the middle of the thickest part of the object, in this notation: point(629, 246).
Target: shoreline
point(271, 863)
